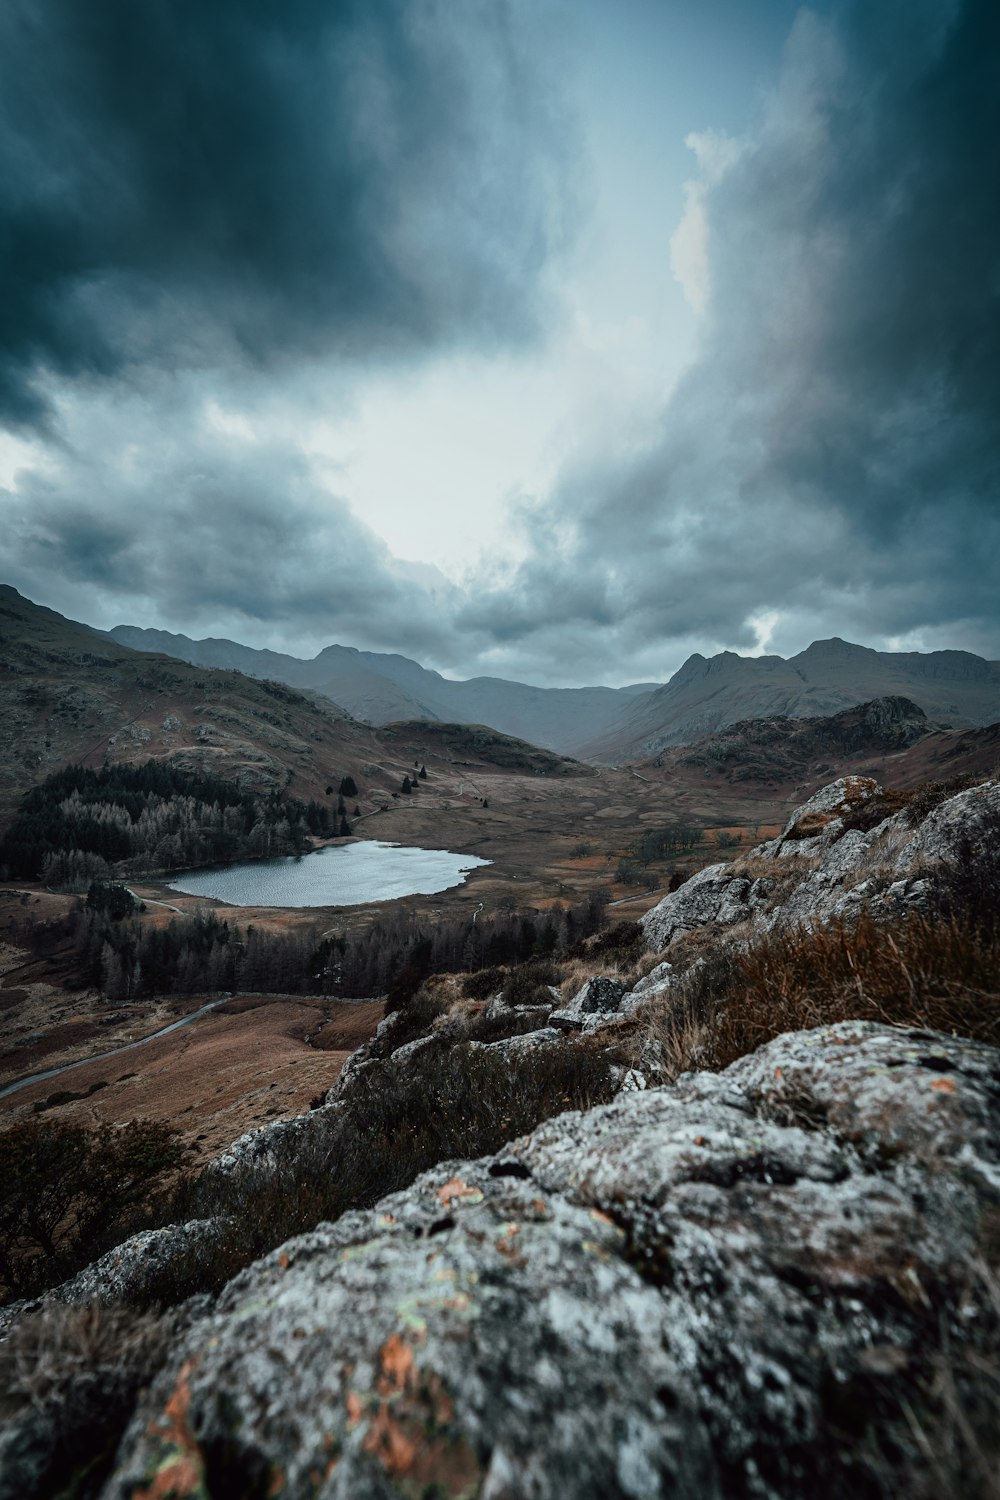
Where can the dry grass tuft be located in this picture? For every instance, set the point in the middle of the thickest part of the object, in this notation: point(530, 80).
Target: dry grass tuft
point(69, 1380)
point(937, 974)
point(950, 1433)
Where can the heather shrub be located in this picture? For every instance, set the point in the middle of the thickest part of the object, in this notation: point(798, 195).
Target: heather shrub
point(528, 983)
point(394, 1124)
point(483, 983)
point(66, 1191)
point(622, 944)
point(504, 1023)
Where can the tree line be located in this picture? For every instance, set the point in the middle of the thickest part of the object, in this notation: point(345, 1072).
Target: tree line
point(129, 959)
point(81, 823)
point(655, 844)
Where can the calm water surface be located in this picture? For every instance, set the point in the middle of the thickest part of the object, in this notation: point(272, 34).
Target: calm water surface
point(341, 875)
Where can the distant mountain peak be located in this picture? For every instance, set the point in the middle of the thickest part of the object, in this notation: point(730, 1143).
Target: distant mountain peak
point(835, 645)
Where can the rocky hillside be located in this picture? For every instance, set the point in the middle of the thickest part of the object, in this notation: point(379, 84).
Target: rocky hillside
point(706, 695)
point(888, 737)
point(767, 1266)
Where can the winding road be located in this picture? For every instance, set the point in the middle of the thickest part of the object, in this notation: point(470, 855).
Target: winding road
point(22, 1083)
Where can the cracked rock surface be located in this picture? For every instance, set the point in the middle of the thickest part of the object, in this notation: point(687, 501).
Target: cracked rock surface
point(692, 1291)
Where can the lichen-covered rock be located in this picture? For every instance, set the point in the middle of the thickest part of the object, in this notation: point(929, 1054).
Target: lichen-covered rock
point(656, 982)
point(686, 1292)
point(960, 828)
point(825, 810)
point(836, 871)
point(258, 1146)
point(693, 904)
point(524, 1041)
point(121, 1274)
point(599, 997)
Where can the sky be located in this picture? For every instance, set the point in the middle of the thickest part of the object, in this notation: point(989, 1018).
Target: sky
point(549, 339)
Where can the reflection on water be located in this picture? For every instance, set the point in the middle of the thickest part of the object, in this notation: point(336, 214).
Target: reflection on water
point(342, 875)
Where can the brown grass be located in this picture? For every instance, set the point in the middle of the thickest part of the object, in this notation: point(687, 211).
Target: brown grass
point(69, 1381)
point(941, 975)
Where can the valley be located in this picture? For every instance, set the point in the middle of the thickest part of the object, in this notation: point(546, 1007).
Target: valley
point(616, 936)
point(555, 832)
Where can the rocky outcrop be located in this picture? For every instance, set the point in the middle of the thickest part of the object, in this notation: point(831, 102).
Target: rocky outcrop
point(693, 1291)
point(599, 997)
point(823, 866)
point(120, 1274)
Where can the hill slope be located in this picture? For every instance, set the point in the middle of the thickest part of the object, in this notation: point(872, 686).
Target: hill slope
point(69, 693)
point(381, 688)
point(785, 759)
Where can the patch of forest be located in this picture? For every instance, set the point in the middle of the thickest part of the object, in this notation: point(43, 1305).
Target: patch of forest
point(81, 824)
point(129, 959)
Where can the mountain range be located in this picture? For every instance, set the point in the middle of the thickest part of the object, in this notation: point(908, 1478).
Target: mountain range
point(613, 725)
point(381, 688)
point(69, 693)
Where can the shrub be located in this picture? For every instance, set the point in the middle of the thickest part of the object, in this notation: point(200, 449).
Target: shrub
point(396, 1123)
point(64, 1190)
point(528, 983)
point(483, 984)
point(503, 1024)
point(623, 943)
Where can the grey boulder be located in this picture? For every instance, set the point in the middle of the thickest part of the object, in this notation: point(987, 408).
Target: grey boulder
point(681, 1293)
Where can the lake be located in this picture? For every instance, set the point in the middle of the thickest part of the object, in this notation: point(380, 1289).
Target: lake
point(339, 875)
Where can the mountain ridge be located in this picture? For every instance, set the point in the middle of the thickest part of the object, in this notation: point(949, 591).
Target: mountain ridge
point(383, 688)
point(705, 695)
point(709, 694)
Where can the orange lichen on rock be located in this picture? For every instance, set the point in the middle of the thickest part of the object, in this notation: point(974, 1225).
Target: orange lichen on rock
point(180, 1474)
point(397, 1363)
point(507, 1245)
point(408, 1431)
point(456, 1188)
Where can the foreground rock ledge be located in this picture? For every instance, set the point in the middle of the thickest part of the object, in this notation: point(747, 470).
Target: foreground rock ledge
point(692, 1291)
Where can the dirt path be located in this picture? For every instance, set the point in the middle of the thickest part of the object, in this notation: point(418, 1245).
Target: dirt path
point(150, 901)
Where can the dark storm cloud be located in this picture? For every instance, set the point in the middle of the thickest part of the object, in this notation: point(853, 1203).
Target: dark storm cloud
point(212, 534)
point(191, 182)
point(833, 453)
